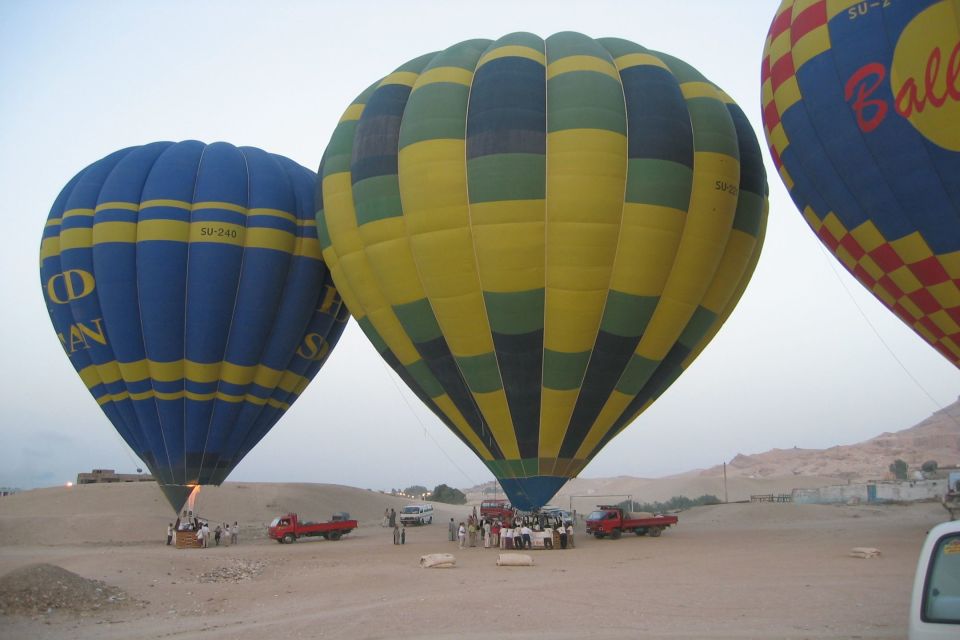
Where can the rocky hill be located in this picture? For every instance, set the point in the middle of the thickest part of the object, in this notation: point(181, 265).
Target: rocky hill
point(936, 438)
point(780, 470)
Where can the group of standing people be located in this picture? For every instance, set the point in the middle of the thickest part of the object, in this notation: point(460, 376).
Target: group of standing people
point(389, 518)
point(399, 532)
point(190, 522)
point(512, 535)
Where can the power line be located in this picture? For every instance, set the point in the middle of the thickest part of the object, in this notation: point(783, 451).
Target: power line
point(422, 425)
point(833, 268)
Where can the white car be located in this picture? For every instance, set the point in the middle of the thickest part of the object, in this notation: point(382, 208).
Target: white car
point(935, 605)
point(416, 514)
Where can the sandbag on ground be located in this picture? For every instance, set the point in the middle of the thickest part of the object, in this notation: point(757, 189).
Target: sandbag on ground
point(514, 560)
point(437, 560)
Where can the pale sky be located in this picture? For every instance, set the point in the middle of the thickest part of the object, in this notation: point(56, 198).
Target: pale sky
point(803, 361)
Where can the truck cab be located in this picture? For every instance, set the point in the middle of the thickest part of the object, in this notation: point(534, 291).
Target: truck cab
point(496, 509)
point(935, 604)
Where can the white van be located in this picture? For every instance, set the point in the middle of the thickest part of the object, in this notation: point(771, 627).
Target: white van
point(416, 514)
point(935, 605)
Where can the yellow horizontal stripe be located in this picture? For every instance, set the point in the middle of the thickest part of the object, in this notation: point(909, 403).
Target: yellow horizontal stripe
point(405, 78)
point(124, 206)
point(699, 90)
point(218, 233)
point(176, 204)
point(198, 206)
point(582, 63)
point(201, 373)
point(175, 231)
point(49, 248)
point(171, 230)
point(263, 238)
point(723, 96)
point(89, 376)
point(515, 51)
point(226, 206)
point(309, 248)
point(71, 213)
point(276, 213)
point(52, 222)
point(189, 395)
point(452, 75)
point(639, 59)
point(114, 232)
point(75, 238)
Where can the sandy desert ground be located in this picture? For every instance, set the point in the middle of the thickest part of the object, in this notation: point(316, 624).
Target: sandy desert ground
point(757, 570)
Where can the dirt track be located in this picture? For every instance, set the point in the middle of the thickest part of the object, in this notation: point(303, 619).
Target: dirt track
point(728, 571)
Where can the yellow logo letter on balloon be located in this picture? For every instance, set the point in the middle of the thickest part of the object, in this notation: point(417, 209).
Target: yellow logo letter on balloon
point(539, 236)
point(861, 104)
point(186, 285)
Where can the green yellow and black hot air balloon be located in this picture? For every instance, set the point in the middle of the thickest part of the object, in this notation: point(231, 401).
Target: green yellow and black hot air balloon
point(539, 236)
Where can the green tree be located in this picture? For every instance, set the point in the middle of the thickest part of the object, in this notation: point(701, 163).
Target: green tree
point(449, 495)
point(929, 466)
point(676, 503)
point(415, 490)
point(899, 469)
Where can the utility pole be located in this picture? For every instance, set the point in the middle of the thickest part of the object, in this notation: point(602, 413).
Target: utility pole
point(725, 483)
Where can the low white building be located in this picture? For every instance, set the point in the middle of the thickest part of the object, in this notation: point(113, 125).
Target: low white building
point(890, 491)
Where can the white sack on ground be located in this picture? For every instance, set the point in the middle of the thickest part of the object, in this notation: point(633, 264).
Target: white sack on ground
point(437, 560)
point(514, 560)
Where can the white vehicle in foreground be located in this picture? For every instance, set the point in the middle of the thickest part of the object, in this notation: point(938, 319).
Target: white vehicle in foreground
point(935, 605)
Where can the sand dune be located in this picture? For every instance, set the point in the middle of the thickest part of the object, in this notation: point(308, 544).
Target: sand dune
point(747, 570)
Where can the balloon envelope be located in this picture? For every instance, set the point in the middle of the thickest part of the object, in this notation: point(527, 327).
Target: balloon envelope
point(539, 236)
point(860, 108)
point(185, 284)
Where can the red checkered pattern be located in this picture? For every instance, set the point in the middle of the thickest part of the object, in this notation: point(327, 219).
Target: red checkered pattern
point(929, 272)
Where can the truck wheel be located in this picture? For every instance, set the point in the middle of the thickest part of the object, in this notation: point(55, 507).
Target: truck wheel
point(289, 538)
point(333, 535)
point(598, 535)
point(655, 532)
point(639, 531)
point(615, 534)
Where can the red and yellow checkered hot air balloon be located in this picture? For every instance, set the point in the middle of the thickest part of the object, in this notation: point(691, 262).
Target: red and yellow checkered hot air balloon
point(861, 108)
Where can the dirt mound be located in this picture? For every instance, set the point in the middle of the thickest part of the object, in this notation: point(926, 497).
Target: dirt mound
point(42, 588)
point(239, 571)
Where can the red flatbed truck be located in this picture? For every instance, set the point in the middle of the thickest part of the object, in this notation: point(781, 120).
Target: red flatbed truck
point(613, 521)
point(290, 528)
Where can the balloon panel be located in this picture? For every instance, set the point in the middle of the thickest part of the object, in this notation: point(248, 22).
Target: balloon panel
point(539, 236)
point(186, 285)
point(860, 104)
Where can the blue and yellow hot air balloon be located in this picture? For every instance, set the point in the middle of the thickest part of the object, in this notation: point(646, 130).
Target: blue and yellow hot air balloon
point(185, 284)
point(861, 108)
point(539, 236)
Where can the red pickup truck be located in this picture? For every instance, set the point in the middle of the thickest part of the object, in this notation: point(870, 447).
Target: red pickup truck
point(612, 521)
point(290, 528)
